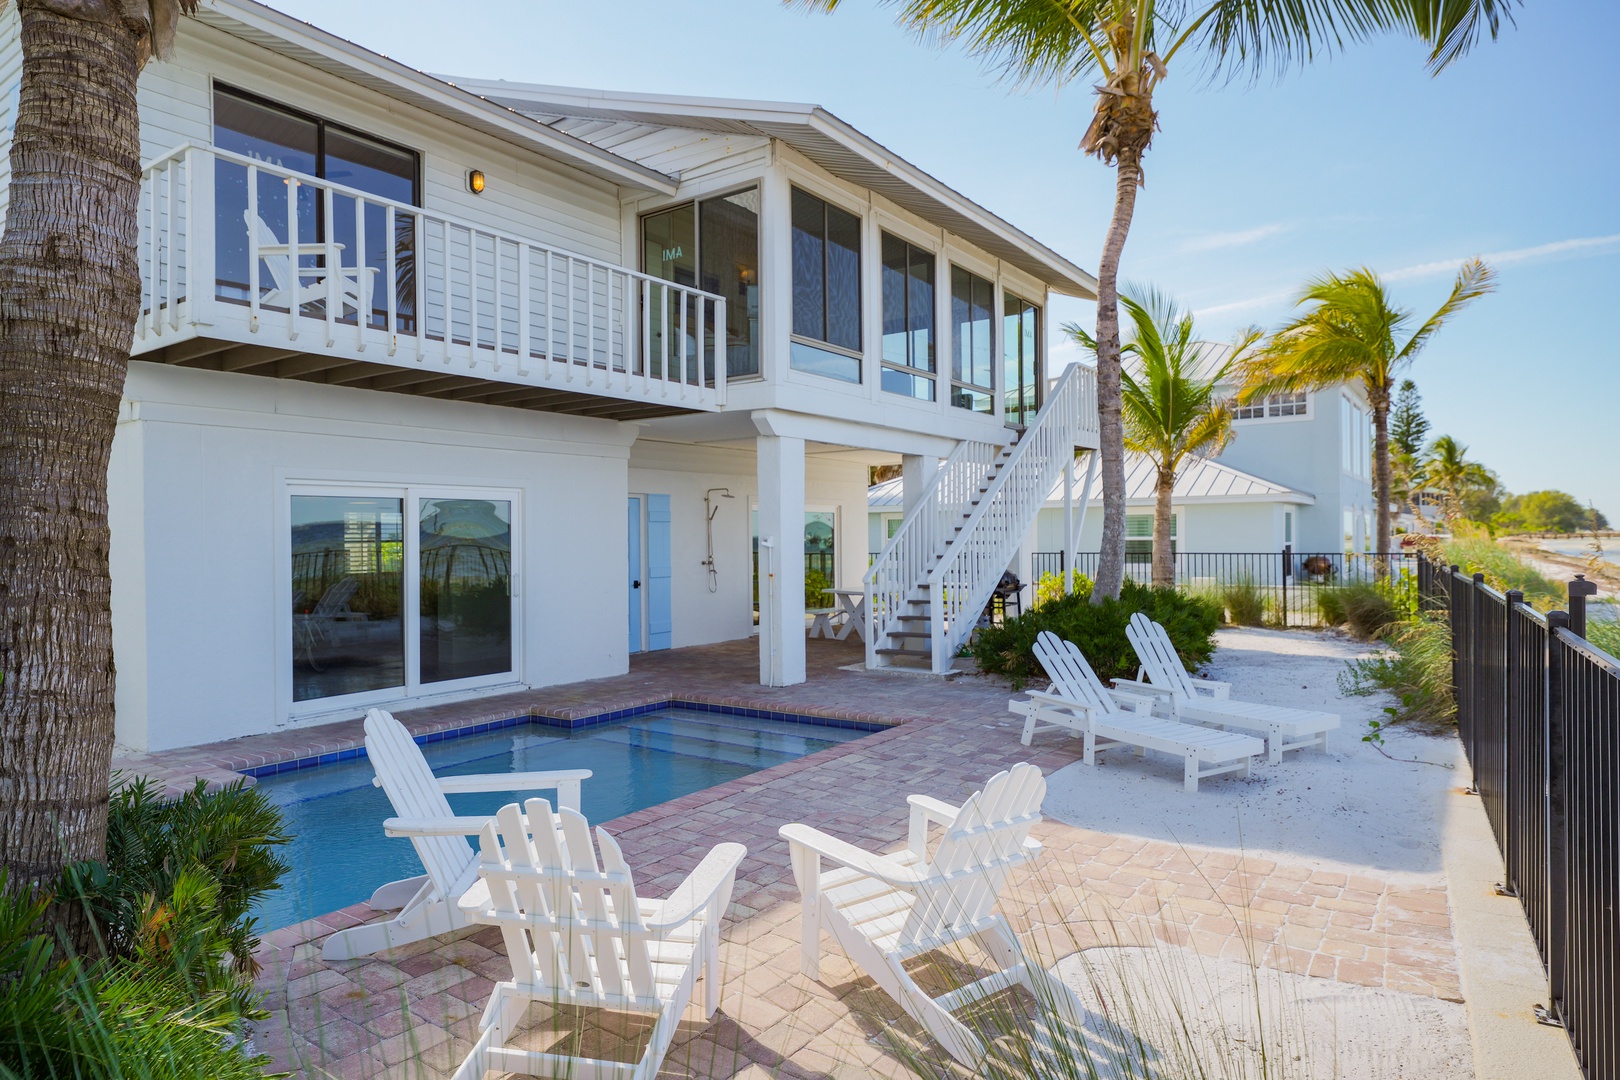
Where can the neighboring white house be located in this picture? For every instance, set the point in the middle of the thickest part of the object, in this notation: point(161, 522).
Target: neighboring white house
point(436, 385)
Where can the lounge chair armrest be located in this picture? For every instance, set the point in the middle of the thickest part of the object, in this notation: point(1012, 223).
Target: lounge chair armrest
point(1220, 691)
point(436, 826)
point(513, 781)
point(1137, 703)
point(711, 881)
point(926, 809)
point(846, 854)
point(1134, 686)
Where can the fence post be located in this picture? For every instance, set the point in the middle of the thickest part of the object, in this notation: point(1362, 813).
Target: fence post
point(1287, 568)
point(1557, 820)
point(1579, 590)
point(1474, 587)
point(1511, 823)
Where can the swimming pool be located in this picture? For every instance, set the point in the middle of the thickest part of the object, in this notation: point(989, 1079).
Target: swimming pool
point(339, 853)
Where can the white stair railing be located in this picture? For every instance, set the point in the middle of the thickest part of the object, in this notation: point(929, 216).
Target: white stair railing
point(961, 581)
point(895, 576)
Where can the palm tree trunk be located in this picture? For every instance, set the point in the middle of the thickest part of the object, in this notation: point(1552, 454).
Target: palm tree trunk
point(1164, 558)
point(1111, 552)
point(1381, 481)
point(69, 297)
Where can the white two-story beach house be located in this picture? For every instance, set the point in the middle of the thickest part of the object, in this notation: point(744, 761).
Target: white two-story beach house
point(447, 387)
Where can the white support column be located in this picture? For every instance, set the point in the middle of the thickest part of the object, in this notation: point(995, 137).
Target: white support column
point(781, 559)
point(916, 470)
point(1074, 518)
point(1023, 566)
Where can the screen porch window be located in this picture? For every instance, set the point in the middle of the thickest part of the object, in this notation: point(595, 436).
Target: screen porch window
point(908, 319)
point(387, 608)
point(972, 368)
point(713, 245)
point(1021, 363)
point(1139, 536)
point(264, 131)
point(826, 255)
point(1276, 405)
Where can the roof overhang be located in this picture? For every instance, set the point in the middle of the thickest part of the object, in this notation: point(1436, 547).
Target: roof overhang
point(825, 140)
point(307, 44)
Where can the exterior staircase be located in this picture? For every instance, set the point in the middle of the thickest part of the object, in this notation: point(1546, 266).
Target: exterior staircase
point(934, 577)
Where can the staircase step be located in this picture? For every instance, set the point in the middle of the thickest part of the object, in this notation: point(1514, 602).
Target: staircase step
point(911, 633)
point(911, 618)
point(921, 653)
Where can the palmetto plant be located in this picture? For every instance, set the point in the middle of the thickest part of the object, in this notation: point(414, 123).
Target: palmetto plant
point(72, 291)
point(1169, 400)
point(1129, 47)
point(1354, 333)
point(1446, 468)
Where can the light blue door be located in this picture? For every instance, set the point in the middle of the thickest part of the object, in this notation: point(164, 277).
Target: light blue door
point(660, 619)
point(635, 574)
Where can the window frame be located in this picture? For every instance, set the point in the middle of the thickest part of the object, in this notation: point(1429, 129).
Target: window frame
point(954, 264)
point(411, 496)
point(1308, 412)
point(856, 353)
point(1038, 358)
point(930, 375)
point(1141, 554)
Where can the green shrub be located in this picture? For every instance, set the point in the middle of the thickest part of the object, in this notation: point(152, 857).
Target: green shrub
point(1050, 587)
point(814, 584)
point(1474, 552)
point(1416, 670)
point(1244, 602)
point(1605, 634)
point(1099, 631)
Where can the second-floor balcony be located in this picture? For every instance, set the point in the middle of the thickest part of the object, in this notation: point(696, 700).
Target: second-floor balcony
point(254, 268)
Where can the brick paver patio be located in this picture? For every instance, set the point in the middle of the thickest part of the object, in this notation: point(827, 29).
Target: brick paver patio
point(413, 1011)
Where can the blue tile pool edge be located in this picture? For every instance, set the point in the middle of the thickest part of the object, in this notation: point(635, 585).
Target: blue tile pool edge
point(574, 724)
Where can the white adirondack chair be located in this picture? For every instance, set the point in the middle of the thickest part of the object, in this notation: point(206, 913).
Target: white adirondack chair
point(352, 284)
point(1206, 701)
point(1079, 704)
point(427, 904)
point(577, 934)
point(887, 909)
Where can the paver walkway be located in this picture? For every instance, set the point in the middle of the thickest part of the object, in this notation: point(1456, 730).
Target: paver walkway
point(413, 1011)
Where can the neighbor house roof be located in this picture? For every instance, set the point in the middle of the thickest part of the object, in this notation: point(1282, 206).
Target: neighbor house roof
point(1201, 480)
point(308, 44)
point(809, 129)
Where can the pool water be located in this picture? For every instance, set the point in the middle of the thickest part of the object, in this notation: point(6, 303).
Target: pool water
point(339, 854)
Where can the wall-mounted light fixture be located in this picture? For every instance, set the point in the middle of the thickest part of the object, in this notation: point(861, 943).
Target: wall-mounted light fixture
point(475, 181)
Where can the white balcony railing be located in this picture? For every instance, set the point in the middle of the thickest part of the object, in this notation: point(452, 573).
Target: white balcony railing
point(287, 259)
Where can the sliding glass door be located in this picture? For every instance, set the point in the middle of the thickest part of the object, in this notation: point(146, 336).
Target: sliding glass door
point(381, 610)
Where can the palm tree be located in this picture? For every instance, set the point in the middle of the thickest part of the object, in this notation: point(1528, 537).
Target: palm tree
point(71, 295)
point(1129, 46)
point(1351, 335)
point(1446, 468)
point(1169, 397)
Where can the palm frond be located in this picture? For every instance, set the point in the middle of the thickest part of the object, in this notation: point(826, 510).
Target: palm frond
point(1453, 27)
point(1475, 279)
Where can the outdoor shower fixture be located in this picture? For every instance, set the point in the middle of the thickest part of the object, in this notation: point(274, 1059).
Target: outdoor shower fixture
point(711, 507)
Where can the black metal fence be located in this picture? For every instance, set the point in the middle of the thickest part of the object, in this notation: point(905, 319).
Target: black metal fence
point(1286, 585)
point(1538, 711)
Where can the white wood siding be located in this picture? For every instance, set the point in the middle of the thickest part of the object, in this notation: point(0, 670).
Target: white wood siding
point(527, 194)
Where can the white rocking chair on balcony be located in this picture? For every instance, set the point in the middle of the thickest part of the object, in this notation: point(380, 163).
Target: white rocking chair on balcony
point(346, 286)
point(427, 904)
point(578, 935)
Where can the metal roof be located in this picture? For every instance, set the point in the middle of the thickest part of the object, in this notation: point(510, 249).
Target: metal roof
point(1202, 480)
point(308, 44)
point(817, 134)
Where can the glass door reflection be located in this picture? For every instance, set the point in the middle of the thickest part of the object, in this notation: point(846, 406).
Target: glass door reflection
point(466, 588)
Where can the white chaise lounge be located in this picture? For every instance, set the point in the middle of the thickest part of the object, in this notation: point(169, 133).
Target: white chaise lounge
point(427, 904)
point(885, 910)
point(1206, 701)
point(578, 935)
point(1079, 704)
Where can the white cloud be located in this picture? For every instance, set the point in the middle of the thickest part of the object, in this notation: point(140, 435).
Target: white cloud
point(1251, 303)
point(1240, 238)
point(1557, 251)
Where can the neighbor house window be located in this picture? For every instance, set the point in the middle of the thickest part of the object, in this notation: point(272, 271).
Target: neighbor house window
point(288, 140)
point(826, 253)
point(1277, 405)
point(1288, 526)
point(713, 245)
point(908, 319)
point(356, 626)
point(1355, 439)
point(972, 367)
point(1020, 359)
point(1139, 536)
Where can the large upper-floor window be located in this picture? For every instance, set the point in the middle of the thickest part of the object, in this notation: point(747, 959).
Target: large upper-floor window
point(1021, 362)
point(1355, 436)
point(972, 366)
point(826, 288)
point(1275, 406)
point(713, 245)
point(285, 139)
point(908, 319)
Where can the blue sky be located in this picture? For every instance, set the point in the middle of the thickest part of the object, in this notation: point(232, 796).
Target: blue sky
point(1360, 160)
